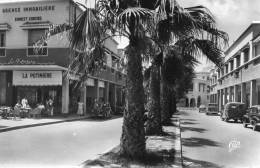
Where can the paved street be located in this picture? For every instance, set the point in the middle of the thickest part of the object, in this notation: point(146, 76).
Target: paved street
point(206, 140)
point(64, 145)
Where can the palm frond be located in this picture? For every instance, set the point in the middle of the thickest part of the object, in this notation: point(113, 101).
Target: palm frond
point(201, 47)
point(134, 20)
point(53, 30)
point(210, 50)
point(205, 23)
point(87, 31)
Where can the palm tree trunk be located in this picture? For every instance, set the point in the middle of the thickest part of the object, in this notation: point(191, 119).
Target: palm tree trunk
point(133, 137)
point(165, 103)
point(154, 126)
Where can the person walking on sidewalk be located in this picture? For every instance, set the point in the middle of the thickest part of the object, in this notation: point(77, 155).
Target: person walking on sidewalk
point(49, 106)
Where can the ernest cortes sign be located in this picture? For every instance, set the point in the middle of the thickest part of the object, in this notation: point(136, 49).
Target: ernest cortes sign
point(37, 78)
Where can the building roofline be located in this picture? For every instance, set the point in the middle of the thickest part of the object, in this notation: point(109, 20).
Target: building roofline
point(240, 36)
point(28, 1)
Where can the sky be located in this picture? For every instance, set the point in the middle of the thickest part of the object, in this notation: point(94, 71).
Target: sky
point(232, 16)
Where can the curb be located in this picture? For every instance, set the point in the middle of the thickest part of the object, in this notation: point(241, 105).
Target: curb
point(178, 146)
point(40, 124)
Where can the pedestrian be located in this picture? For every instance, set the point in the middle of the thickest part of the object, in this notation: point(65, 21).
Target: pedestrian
point(24, 103)
point(49, 106)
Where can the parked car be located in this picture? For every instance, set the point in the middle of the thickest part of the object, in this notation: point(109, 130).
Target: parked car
point(212, 108)
point(233, 110)
point(252, 117)
point(202, 108)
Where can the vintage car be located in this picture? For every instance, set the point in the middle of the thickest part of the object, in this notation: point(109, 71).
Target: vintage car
point(202, 108)
point(212, 108)
point(233, 110)
point(252, 117)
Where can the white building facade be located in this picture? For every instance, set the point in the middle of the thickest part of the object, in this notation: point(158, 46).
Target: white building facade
point(239, 77)
point(198, 93)
point(38, 75)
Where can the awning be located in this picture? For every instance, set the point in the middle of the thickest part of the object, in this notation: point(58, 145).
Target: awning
point(32, 67)
point(36, 25)
point(37, 78)
point(5, 26)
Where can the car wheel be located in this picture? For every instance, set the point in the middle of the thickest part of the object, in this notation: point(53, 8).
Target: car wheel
point(254, 125)
point(244, 124)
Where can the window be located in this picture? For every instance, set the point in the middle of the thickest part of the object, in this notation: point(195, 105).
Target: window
point(257, 50)
point(238, 60)
point(2, 43)
point(231, 65)
point(191, 87)
point(33, 36)
point(222, 71)
point(226, 66)
point(246, 55)
point(256, 61)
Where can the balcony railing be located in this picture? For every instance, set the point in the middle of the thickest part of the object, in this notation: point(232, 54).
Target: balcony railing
point(2, 52)
point(32, 51)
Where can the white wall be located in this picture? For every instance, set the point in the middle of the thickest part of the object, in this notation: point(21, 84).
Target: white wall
point(16, 36)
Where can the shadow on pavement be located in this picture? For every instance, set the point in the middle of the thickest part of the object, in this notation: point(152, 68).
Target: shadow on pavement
point(199, 130)
point(185, 119)
point(192, 163)
point(99, 119)
point(1, 126)
point(198, 142)
point(183, 113)
point(188, 123)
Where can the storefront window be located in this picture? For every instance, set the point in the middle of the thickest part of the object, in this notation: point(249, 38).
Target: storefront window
point(2, 43)
point(3, 88)
point(40, 94)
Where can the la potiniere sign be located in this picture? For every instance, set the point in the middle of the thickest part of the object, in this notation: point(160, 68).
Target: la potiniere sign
point(37, 78)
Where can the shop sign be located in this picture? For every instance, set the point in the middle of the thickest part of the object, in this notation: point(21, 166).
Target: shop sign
point(37, 78)
point(35, 18)
point(43, 8)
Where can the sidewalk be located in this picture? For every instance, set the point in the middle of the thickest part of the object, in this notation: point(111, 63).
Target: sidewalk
point(10, 124)
point(162, 151)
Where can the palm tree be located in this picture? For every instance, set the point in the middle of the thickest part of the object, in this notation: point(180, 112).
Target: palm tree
point(131, 19)
point(153, 125)
point(174, 23)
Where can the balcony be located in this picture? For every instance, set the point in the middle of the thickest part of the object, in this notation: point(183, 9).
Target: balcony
point(35, 52)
